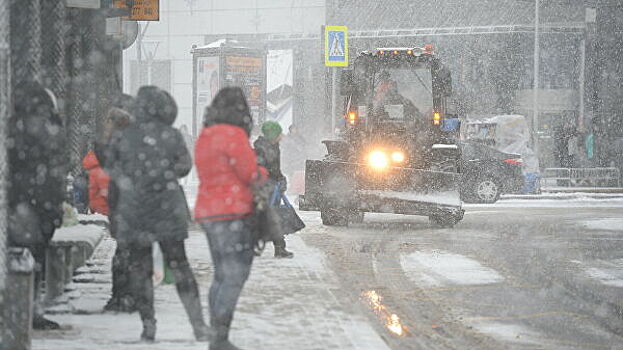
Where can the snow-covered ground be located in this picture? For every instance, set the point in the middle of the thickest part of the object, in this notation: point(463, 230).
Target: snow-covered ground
point(441, 268)
point(555, 202)
point(286, 304)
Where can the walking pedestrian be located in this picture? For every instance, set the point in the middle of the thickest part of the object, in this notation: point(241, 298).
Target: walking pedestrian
point(38, 169)
point(118, 118)
point(227, 168)
point(269, 156)
point(147, 159)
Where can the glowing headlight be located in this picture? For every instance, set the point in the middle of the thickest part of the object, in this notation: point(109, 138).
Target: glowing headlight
point(398, 157)
point(378, 160)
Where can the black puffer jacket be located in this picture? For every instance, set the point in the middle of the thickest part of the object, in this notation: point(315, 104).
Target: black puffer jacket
point(269, 156)
point(37, 157)
point(147, 158)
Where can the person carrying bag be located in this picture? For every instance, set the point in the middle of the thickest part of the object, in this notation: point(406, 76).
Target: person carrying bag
point(276, 217)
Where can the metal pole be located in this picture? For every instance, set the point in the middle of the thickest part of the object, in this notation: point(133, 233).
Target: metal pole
point(582, 82)
point(53, 49)
point(5, 99)
point(535, 97)
point(333, 99)
point(25, 41)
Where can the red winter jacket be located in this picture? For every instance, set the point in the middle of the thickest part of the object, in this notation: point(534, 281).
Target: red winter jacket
point(227, 167)
point(98, 184)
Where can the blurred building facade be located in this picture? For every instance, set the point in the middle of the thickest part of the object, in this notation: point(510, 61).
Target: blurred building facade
point(183, 24)
point(489, 46)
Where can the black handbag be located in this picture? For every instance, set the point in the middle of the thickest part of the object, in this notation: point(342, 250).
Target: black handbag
point(290, 222)
point(266, 216)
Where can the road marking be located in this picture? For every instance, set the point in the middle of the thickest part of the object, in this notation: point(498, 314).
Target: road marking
point(607, 272)
point(610, 224)
point(610, 276)
point(439, 268)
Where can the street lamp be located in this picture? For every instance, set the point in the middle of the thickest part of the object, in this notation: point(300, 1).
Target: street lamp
point(535, 85)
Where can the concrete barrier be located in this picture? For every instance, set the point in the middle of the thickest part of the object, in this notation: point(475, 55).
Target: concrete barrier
point(69, 249)
point(18, 314)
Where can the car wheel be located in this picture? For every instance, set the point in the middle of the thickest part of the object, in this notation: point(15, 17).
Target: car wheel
point(487, 190)
point(333, 217)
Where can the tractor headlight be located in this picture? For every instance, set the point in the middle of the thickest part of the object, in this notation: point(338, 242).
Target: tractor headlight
point(398, 157)
point(378, 160)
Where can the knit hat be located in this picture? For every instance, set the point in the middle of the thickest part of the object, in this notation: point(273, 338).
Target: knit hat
point(271, 130)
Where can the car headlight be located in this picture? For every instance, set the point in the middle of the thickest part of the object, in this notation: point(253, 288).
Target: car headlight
point(378, 160)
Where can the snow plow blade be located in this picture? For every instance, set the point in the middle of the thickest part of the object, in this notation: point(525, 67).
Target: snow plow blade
point(356, 187)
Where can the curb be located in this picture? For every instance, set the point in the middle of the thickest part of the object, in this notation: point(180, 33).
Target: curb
point(563, 196)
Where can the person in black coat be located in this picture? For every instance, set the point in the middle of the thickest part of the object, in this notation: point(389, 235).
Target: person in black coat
point(146, 160)
point(117, 119)
point(269, 156)
point(37, 172)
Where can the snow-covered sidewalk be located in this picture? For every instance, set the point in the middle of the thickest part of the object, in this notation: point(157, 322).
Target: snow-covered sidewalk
point(286, 304)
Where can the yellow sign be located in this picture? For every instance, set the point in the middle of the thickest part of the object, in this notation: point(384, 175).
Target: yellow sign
point(142, 10)
point(336, 46)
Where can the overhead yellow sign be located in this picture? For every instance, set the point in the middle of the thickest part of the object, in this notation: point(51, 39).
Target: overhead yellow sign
point(142, 10)
point(336, 46)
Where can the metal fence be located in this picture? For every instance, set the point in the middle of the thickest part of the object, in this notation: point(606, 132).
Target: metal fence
point(5, 93)
point(581, 177)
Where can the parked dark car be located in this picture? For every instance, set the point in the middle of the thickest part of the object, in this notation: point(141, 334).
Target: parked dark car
point(488, 173)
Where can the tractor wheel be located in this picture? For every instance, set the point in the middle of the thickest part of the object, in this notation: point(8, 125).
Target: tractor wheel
point(333, 217)
point(444, 221)
point(356, 217)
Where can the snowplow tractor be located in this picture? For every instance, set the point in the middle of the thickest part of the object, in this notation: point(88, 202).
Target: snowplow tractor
point(398, 151)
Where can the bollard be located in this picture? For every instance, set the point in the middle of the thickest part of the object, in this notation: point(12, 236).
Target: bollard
point(18, 299)
point(69, 264)
point(54, 273)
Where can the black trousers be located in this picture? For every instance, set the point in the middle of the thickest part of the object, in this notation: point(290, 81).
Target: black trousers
point(141, 283)
point(120, 273)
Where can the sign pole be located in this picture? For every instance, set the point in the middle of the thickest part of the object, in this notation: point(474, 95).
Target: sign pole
point(335, 55)
point(333, 99)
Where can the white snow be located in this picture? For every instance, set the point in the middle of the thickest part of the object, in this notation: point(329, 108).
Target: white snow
point(83, 233)
point(553, 203)
point(609, 273)
point(286, 304)
point(92, 217)
point(609, 224)
point(444, 146)
point(440, 268)
point(508, 332)
point(450, 198)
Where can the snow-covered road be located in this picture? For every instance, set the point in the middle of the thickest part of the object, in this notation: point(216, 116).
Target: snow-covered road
point(519, 274)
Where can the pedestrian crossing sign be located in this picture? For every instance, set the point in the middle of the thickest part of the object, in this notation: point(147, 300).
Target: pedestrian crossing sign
point(336, 46)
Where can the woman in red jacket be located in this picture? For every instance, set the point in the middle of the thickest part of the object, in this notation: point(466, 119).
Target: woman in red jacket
point(227, 168)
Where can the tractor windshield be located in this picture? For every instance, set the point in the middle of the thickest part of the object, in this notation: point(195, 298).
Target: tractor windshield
point(401, 94)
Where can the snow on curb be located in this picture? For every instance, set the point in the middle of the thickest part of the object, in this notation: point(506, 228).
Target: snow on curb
point(610, 224)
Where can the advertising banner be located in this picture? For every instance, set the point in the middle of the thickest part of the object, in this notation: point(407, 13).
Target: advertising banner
point(279, 98)
point(207, 84)
point(247, 73)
